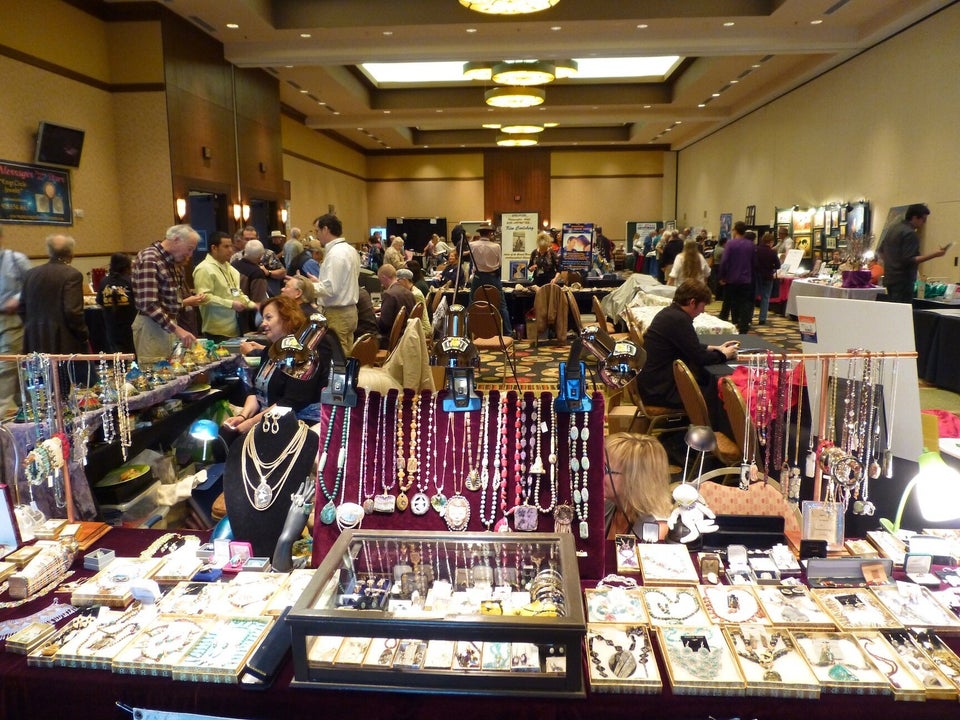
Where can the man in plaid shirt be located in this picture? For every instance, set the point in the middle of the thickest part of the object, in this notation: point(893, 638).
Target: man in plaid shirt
point(156, 288)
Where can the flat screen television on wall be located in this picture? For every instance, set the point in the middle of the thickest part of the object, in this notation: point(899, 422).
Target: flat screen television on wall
point(58, 145)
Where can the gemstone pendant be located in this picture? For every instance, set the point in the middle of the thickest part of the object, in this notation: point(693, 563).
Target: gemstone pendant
point(585, 433)
point(419, 504)
point(810, 465)
point(525, 518)
point(584, 530)
point(840, 673)
point(368, 506)
point(262, 496)
point(385, 503)
point(888, 463)
point(772, 676)
point(328, 513)
point(402, 501)
point(438, 502)
point(536, 468)
point(502, 525)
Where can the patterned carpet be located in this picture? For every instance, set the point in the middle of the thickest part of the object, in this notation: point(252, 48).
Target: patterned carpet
point(537, 367)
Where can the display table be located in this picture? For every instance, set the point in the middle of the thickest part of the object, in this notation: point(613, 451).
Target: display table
point(105, 458)
point(808, 288)
point(47, 692)
point(937, 334)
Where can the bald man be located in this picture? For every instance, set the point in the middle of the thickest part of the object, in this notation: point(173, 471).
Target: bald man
point(51, 303)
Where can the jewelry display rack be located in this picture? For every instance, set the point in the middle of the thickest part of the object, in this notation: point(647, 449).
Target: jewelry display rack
point(56, 399)
point(515, 465)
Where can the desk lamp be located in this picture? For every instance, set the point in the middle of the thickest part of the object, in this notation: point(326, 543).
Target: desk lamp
point(205, 431)
point(937, 484)
point(459, 357)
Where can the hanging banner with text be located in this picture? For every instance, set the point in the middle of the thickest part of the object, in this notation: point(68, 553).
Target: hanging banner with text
point(576, 249)
point(34, 194)
point(518, 233)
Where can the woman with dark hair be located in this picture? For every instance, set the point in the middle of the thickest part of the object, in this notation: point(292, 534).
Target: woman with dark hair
point(115, 296)
point(283, 321)
point(418, 280)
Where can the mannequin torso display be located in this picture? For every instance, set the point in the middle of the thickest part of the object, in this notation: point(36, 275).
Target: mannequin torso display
point(263, 468)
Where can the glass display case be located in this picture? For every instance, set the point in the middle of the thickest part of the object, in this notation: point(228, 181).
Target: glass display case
point(443, 612)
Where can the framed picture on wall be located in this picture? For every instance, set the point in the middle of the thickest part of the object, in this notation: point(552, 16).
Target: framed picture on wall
point(726, 224)
point(785, 216)
point(831, 243)
point(802, 242)
point(827, 222)
point(818, 217)
point(751, 215)
point(843, 215)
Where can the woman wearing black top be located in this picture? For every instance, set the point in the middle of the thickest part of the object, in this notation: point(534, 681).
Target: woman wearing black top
point(115, 296)
point(543, 261)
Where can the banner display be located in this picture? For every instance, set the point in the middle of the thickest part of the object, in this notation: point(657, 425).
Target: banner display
point(576, 249)
point(518, 233)
point(643, 228)
point(34, 194)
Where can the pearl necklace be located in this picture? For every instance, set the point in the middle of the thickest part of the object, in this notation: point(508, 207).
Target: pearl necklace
point(485, 468)
point(385, 502)
point(501, 465)
point(365, 496)
point(263, 495)
point(551, 459)
point(420, 502)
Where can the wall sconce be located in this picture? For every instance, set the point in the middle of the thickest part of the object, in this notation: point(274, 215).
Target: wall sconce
point(236, 211)
point(181, 208)
point(245, 211)
point(283, 215)
point(546, 224)
point(263, 167)
point(207, 152)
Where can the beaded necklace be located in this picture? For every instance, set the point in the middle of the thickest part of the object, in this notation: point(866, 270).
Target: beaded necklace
point(694, 655)
point(524, 514)
point(502, 525)
point(263, 495)
point(456, 511)
point(329, 511)
point(622, 662)
point(580, 493)
point(365, 498)
point(681, 607)
point(551, 459)
point(485, 479)
point(401, 502)
point(768, 652)
point(420, 502)
point(472, 481)
point(439, 500)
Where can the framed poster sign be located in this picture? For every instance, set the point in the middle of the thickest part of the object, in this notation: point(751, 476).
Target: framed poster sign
point(34, 194)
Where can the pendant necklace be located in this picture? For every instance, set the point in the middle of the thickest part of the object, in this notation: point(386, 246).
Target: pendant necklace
point(328, 513)
point(766, 655)
point(581, 495)
point(793, 479)
point(524, 514)
point(456, 511)
point(420, 502)
point(402, 502)
point(365, 497)
point(502, 525)
point(810, 463)
point(888, 453)
point(385, 502)
point(439, 500)
point(263, 495)
point(472, 480)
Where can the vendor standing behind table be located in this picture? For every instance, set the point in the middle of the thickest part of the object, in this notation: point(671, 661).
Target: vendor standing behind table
point(671, 336)
point(487, 256)
point(216, 278)
point(543, 261)
point(900, 253)
point(115, 296)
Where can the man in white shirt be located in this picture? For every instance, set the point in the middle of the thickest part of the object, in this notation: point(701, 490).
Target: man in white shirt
point(220, 281)
point(338, 285)
point(487, 256)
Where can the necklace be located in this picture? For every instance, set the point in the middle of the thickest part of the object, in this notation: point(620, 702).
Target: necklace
point(364, 495)
point(524, 514)
point(420, 502)
point(263, 495)
point(472, 482)
point(500, 465)
point(456, 511)
point(385, 502)
point(402, 484)
point(732, 605)
point(580, 493)
point(697, 655)
point(487, 520)
point(439, 500)
point(682, 606)
point(764, 653)
point(329, 511)
point(623, 663)
point(551, 460)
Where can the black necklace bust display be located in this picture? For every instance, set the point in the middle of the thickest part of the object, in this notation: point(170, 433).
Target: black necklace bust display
point(263, 469)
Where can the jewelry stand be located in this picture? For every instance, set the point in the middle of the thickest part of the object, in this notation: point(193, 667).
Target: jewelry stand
point(376, 440)
point(261, 528)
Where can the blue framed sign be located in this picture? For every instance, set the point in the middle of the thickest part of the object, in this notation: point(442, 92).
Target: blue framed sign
point(34, 194)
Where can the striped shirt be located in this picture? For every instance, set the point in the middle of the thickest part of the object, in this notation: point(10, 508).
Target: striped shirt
point(156, 286)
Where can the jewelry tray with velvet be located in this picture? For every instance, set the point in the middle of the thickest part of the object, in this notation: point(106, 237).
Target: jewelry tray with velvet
point(662, 564)
point(794, 606)
point(915, 606)
point(906, 684)
point(621, 659)
point(856, 609)
point(616, 605)
point(840, 664)
point(732, 604)
point(674, 606)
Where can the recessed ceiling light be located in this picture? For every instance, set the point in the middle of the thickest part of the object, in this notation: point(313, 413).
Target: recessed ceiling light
point(642, 26)
point(646, 107)
point(336, 112)
point(734, 82)
point(304, 92)
point(388, 32)
point(555, 28)
point(439, 109)
point(232, 26)
point(702, 105)
point(729, 24)
point(550, 124)
point(716, 94)
point(471, 30)
point(288, 66)
point(305, 35)
point(387, 112)
point(320, 102)
point(816, 22)
point(678, 122)
point(491, 126)
point(755, 66)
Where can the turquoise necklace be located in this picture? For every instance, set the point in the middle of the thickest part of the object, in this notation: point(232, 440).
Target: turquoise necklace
point(329, 512)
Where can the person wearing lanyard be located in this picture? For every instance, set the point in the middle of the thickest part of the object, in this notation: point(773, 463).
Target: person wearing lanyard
point(156, 289)
point(220, 282)
point(488, 257)
point(13, 266)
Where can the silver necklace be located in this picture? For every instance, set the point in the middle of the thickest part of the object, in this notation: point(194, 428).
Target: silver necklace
point(263, 495)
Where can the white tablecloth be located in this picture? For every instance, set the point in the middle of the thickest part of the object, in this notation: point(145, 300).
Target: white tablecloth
point(808, 288)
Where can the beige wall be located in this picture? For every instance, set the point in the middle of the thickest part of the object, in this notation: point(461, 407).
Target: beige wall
point(878, 128)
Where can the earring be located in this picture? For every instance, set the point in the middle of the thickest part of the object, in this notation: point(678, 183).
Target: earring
point(274, 424)
point(266, 423)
